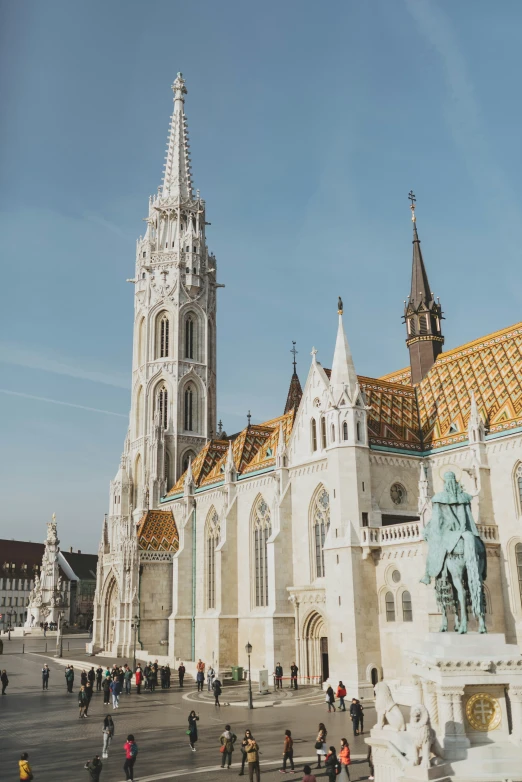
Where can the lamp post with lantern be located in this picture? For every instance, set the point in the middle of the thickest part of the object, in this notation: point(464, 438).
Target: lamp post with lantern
point(135, 626)
point(248, 650)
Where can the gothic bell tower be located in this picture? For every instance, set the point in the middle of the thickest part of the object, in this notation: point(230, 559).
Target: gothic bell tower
point(173, 408)
point(422, 314)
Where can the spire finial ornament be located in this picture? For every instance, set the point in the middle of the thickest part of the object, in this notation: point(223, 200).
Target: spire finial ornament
point(294, 352)
point(249, 416)
point(179, 88)
point(411, 197)
point(339, 306)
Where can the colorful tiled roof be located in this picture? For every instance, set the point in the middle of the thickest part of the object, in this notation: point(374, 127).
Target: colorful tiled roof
point(393, 418)
point(157, 531)
point(203, 464)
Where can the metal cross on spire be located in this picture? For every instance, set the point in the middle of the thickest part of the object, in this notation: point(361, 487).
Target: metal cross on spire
point(411, 197)
point(249, 416)
point(294, 352)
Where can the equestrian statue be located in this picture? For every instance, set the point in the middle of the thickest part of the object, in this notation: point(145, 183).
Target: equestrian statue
point(456, 557)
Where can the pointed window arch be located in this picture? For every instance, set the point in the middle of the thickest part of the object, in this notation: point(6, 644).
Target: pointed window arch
point(407, 611)
point(358, 429)
point(188, 457)
point(211, 541)
point(333, 433)
point(389, 602)
point(162, 335)
point(188, 408)
point(320, 518)
point(189, 336)
point(323, 432)
point(261, 531)
point(313, 432)
point(141, 342)
point(166, 468)
point(162, 402)
point(345, 430)
point(518, 487)
point(138, 423)
point(518, 560)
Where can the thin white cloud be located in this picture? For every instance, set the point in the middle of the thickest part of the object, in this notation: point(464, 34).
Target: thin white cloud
point(20, 356)
point(104, 223)
point(59, 402)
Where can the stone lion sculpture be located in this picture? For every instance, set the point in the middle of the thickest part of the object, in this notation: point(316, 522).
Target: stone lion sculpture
point(388, 713)
point(422, 737)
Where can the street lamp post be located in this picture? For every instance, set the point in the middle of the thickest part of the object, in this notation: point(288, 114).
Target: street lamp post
point(248, 650)
point(59, 639)
point(10, 614)
point(135, 626)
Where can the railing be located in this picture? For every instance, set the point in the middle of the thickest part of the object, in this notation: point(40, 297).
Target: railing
point(411, 532)
point(488, 532)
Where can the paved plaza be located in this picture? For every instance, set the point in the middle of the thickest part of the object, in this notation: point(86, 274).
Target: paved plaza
point(46, 725)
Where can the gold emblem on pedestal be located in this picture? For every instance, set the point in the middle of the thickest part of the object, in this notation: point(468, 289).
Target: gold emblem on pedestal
point(483, 712)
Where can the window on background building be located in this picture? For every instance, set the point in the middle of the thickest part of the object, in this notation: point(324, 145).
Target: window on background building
point(313, 427)
point(212, 542)
point(164, 336)
point(323, 432)
point(390, 607)
point(407, 612)
point(321, 525)
point(345, 431)
point(163, 406)
point(398, 494)
point(189, 337)
point(262, 529)
point(189, 409)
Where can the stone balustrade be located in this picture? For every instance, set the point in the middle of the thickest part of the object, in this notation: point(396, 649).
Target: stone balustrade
point(411, 532)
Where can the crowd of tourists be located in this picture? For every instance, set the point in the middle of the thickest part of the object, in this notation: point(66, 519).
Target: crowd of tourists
point(115, 680)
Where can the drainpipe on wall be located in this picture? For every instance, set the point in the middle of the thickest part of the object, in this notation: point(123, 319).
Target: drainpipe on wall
point(193, 627)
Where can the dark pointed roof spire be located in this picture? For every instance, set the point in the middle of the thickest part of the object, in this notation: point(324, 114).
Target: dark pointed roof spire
point(420, 287)
point(295, 392)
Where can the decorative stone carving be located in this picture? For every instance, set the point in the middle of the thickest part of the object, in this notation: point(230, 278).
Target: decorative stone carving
point(388, 713)
point(422, 737)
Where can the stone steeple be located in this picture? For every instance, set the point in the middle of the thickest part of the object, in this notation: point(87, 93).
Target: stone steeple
point(344, 376)
point(295, 392)
point(177, 178)
point(422, 314)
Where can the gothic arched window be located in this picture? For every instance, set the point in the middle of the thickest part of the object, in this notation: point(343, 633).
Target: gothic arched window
point(262, 529)
point(407, 611)
point(139, 412)
point(333, 433)
point(166, 468)
point(188, 457)
point(188, 410)
point(164, 336)
point(518, 486)
point(189, 337)
point(518, 558)
point(141, 342)
point(136, 482)
point(163, 406)
point(323, 432)
point(313, 428)
point(389, 602)
point(345, 431)
point(212, 539)
point(321, 525)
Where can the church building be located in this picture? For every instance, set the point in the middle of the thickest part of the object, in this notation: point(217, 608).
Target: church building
point(302, 535)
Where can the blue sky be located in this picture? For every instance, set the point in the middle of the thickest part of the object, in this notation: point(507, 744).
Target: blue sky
point(309, 124)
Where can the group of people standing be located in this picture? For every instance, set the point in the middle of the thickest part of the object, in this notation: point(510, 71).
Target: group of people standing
point(356, 707)
point(279, 676)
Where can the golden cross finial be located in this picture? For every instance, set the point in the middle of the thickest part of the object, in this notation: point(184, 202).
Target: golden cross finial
point(411, 197)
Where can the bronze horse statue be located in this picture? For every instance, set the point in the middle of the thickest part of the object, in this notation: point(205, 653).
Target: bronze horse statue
point(456, 557)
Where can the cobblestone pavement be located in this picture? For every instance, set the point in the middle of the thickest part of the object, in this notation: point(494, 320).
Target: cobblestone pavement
point(46, 725)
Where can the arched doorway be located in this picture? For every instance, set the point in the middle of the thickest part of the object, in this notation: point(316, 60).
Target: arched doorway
point(315, 639)
point(110, 613)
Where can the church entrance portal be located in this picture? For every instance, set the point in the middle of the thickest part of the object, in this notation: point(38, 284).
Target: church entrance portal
point(111, 608)
point(315, 642)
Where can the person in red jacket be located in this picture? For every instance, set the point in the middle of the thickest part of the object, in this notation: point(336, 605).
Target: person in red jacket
point(344, 759)
point(341, 694)
point(138, 678)
point(131, 753)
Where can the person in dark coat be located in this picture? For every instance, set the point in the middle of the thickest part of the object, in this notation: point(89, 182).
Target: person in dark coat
point(88, 693)
point(278, 674)
point(83, 703)
point(330, 699)
point(99, 678)
point(69, 678)
point(193, 728)
point(216, 688)
point(331, 765)
point(94, 767)
point(5, 681)
point(355, 714)
point(45, 677)
point(91, 676)
point(106, 686)
point(168, 675)
point(181, 674)
point(293, 676)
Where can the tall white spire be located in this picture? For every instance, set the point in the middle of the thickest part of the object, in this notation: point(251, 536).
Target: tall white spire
point(476, 428)
point(177, 178)
point(343, 369)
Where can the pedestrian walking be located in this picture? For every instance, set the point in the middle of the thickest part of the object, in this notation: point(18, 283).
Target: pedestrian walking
point(88, 695)
point(355, 714)
point(293, 676)
point(69, 678)
point(138, 678)
point(320, 743)
point(278, 674)
point(252, 752)
point(244, 743)
point(369, 760)
point(227, 739)
point(153, 678)
point(288, 751)
point(106, 687)
point(127, 680)
point(121, 677)
point(131, 753)
point(341, 694)
point(361, 718)
point(211, 675)
point(192, 731)
point(181, 674)
point(115, 692)
point(99, 678)
point(108, 734)
point(94, 767)
point(331, 765)
point(200, 675)
point(5, 681)
point(25, 768)
point(308, 776)
point(83, 703)
point(163, 677)
point(330, 699)
point(216, 687)
point(91, 676)
point(146, 674)
point(344, 761)
point(168, 675)
point(83, 678)
point(45, 677)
